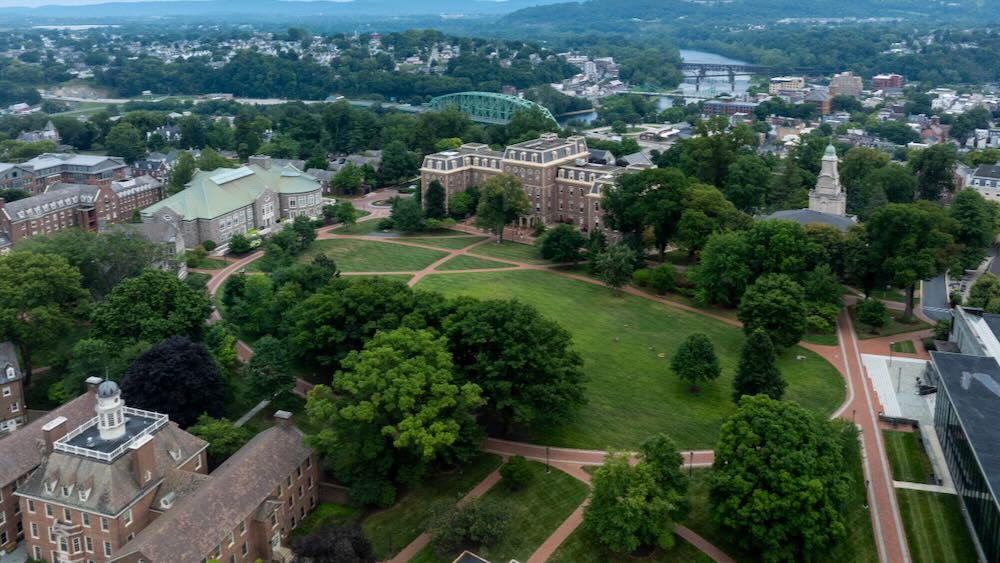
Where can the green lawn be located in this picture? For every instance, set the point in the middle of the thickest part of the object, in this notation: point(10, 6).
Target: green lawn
point(465, 262)
point(326, 514)
point(908, 460)
point(895, 326)
point(935, 529)
point(406, 519)
point(893, 294)
point(368, 256)
point(208, 264)
point(450, 242)
point(821, 339)
point(904, 346)
point(536, 511)
point(857, 547)
point(511, 251)
point(626, 343)
point(580, 547)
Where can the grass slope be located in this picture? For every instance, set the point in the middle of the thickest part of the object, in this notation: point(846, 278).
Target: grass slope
point(935, 529)
point(406, 519)
point(908, 461)
point(626, 343)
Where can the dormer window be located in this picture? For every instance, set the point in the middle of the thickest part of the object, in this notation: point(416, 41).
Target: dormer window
point(84, 494)
point(50, 487)
point(67, 490)
point(175, 454)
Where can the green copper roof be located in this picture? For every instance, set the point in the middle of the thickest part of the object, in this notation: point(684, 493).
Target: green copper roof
point(212, 193)
point(830, 151)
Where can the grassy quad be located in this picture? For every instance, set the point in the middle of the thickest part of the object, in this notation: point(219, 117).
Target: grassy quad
point(626, 343)
point(514, 251)
point(446, 242)
point(935, 529)
point(466, 262)
point(405, 520)
point(907, 459)
point(536, 511)
point(579, 547)
point(894, 326)
point(368, 256)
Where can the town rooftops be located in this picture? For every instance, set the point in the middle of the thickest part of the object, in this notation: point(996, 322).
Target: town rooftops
point(808, 217)
point(23, 450)
point(987, 171)
point(972, 383)
point(213, 193)
point(237, 488)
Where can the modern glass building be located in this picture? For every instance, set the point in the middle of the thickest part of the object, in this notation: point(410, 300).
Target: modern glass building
point(967, 422)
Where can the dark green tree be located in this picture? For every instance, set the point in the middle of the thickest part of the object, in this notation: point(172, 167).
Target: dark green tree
point(501, 200)
point(125, 141)
point(151, 307)
point(407, 215)
point(774, 303)
point(562, 243)
point(695, 360)
point(434, 201)
point(975, 221)
point(757, 372)
point(223, 437)
point(615, 265)
point(935, 170)
point(871, 312)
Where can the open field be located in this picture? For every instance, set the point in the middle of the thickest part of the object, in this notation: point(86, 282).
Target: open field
point(451, 243)
point(626, 343)
point(352, 255)
point(510, 251)
point(466, 262)
point(935, 529)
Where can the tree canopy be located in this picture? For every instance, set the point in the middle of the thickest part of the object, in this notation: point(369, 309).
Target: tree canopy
point(152, 307)
point(501, 200)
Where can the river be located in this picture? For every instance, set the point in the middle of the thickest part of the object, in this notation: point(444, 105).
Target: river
point(710, 86)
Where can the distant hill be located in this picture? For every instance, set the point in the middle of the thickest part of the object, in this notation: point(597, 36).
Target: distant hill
point(255, 9)
point(630, 16)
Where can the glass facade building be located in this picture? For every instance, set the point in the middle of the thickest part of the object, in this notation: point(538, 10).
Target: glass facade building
point(966, 418)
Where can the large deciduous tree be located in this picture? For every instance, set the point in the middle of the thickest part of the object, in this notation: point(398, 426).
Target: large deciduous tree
point(723, 273)
point(502, 199)
point(653, 198)
point(177, 377)
point(635, 505)
point(774, 303)
point(935, 170)
point(434, 201)
point(695, 360)
point(393, 409)
point(757, 372)
point(104, 259)
point(125, 141)
point(223, 437)
point(523, 362)
point(974, 217)
point(747, 180)
point(563, 243)
point(615, 265)
point(779, 480)
point(152, 307)
point(912, 242)
point(40, 299)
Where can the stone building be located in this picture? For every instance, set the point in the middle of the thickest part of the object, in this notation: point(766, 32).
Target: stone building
point(561, 184)
point(220, 203)
point(84, 206)
point(828, 196)
point(12, 407)
point(846, 84)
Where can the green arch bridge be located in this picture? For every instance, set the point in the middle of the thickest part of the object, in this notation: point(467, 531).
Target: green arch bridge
point(488, 107)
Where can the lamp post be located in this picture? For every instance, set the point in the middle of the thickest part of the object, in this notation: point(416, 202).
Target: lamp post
point(891, 344)
point(691, 465)
point(547, 468)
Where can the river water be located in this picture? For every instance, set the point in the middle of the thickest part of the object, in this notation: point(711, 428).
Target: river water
point(710, 86)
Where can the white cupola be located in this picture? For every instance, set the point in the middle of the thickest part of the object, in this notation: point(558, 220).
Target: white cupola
point(110, 411)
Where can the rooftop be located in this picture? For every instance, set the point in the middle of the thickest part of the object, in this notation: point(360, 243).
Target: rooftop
point(86, 439)
point(987, 171)
point(808, 216)
point(972, 383)
point(23, 451)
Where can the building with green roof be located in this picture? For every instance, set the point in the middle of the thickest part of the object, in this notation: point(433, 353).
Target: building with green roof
point(217, 204)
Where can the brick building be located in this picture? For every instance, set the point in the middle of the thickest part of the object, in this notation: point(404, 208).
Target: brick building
point(12, 407)
point(727, 108)
point(103, 481)
point(85, 206)
point(883, 81)
point(562, 186)
point(23, 451)
point(37, 174)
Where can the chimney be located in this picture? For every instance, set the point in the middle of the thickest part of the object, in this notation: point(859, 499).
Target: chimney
point(283, 419)
point(262, 160)
point(143, 460)
point(53, 430)
point(92, 383)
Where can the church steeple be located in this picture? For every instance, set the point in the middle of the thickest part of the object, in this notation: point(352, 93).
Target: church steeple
point(828, 196)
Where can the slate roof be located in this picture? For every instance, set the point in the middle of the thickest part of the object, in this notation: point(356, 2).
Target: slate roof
point(23, 449)
point(213, 193)
point(237, 488)
point(57, 196)
point(51, 160)
point(987, 171)
point(808, 217)
point(113, 485)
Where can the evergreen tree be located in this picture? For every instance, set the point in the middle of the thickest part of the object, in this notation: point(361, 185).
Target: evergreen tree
point(757, 372)
point(434, 201)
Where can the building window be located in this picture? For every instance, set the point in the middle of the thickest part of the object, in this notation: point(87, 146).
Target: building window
point(217, 552)
point(76, 545)
point(291, 202)
point(298, 471)
point(6, 391)
point(88, 543)
point(63, 546)
point(67, 515)
point(243, 527)
point(128, 516)
point(86, 519)
point(197, 462)
point(31, 506)
point(48, 510)
point(34, 530)
point(37, 552)
point(107, 549)
point(301, 491)
point(244, 549)
point(104, 524)
point(229, 540)
point(14, 407)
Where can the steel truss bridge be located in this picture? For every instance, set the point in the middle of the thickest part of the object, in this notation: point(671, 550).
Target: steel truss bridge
point(488, 107)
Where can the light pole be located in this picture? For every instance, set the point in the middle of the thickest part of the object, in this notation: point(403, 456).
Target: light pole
point(891, 344)
point(547, 468)
point(691, 465)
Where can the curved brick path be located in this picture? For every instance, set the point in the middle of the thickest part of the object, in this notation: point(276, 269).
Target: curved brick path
point(861, 401)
